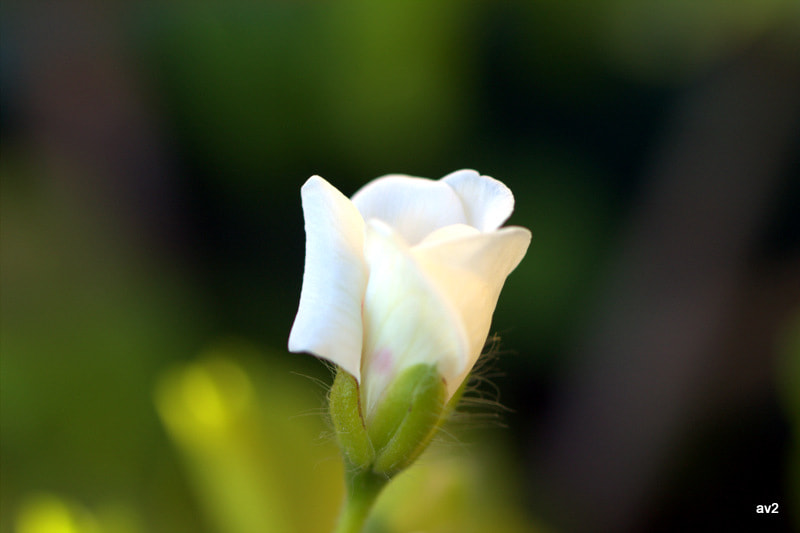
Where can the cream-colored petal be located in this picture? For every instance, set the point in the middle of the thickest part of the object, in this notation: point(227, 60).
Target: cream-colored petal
point(470, 271)
point(328, 322)
point(449, 233)
point(413, 207)
point(406, 319)
point(487, 202)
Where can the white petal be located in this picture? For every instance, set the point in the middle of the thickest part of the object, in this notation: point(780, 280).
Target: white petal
point(406, 319)
point(328, 322)
point(487, 202)
point(470, 272)
point(414, 207)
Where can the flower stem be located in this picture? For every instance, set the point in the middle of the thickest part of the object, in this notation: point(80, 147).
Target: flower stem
point(363, 487)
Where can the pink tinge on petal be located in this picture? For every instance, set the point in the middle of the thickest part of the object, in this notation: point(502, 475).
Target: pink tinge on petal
point(383, 362)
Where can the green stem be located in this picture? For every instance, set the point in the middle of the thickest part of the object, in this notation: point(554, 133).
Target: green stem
point(363, 487)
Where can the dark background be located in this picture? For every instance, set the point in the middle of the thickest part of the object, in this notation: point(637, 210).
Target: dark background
point(152, 156)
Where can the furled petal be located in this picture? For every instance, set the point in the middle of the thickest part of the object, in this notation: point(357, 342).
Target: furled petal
point(487, 202)
point(328, 322)
point(406, 318)
point(413, 207)
point(470, 270)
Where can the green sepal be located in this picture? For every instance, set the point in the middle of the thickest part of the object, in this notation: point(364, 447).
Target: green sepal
point(345, 409)
point(407, 417)
point(445, 414)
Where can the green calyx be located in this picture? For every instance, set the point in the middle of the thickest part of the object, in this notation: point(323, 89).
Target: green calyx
point(345, 408)
point(400, 428)
point(407, 417)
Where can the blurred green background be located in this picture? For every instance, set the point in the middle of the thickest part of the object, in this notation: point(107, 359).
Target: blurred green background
point(152, 253)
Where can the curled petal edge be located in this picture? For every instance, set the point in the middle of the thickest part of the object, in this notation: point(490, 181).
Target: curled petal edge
point(328, 322)
point(487, 202)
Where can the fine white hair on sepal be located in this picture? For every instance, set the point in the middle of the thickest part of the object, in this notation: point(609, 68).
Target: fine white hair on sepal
point(481, 405)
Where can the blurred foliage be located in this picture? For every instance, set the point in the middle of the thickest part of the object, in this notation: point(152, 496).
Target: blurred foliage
point(261, 87)
point(250, 436)
point(559, 99)
point(46, 513)
point(86, 324)
point(456, 488)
